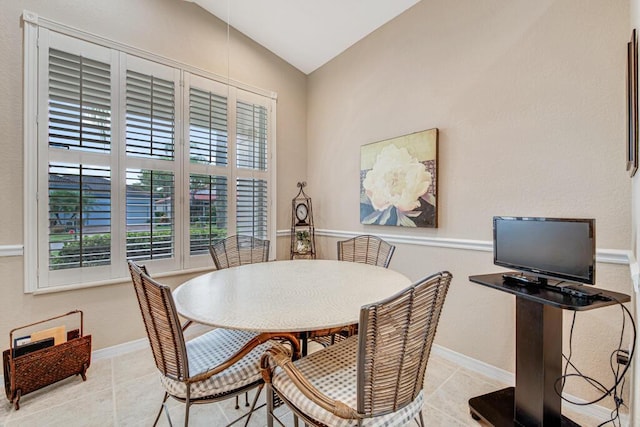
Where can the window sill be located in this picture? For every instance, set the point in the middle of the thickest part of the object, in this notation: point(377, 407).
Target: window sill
point(65, 288)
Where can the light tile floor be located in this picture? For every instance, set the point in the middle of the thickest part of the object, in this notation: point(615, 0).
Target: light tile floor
point(125, 391)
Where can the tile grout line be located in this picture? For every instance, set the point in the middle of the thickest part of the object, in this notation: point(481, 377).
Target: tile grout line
point(14, 418)
point(446, 414)
point(113, 393)
point(446, 380)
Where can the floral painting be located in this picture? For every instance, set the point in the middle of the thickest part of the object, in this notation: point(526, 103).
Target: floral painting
point(398, 181)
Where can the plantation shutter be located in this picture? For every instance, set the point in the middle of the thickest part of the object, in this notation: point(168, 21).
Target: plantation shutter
point(208, 138)
point(75, 177)
point(252, 207)
point(79, 216)
point(207, 211)
point(208, 146)
point(79, 102)
point(150, 116)
point(136, 157)
point(150, 215)
point(151, 189)
point(251, 135)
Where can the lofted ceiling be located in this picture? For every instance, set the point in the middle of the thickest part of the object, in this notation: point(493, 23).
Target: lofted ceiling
point(306, 33)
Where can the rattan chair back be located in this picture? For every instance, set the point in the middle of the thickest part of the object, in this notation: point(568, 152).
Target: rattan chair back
point(239, 250)
point(366, 249)
point(394, 343)
point(161, 323)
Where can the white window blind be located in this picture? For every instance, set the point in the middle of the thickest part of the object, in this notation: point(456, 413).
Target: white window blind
point(79, 102)
point(252, 209)
point(207, 211)
point(252, 184)
point(251, 136)
point(150, 116)
point(75, 151)
point(151, 192)
point(79, 216)
point(150, 214)
point(138, 159)
point(208, 127)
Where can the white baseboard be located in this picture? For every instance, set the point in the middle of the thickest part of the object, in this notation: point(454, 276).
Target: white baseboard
point(127, 347)
point(120, 349)
point(474, 365)
point(595, 411)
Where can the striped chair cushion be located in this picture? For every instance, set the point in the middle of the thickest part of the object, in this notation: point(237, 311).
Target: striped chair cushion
point(209, 350)
point(333, 372)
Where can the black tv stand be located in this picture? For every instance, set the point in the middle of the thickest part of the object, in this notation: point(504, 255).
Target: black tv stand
point(533, 401)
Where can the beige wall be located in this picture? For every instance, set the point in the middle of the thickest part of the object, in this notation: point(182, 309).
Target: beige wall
point(172, 28)
point(529, 98)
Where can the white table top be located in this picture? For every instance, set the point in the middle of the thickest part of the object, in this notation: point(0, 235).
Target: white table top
point(286, 296)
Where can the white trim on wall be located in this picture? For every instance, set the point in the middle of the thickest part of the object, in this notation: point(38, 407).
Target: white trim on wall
point(30, 144)
point(609, 256)
point(11, 250)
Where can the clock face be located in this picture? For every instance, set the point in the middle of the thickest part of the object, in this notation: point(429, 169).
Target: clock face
point(301, 212)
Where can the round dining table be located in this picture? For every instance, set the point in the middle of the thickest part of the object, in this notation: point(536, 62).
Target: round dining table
point(286, 296)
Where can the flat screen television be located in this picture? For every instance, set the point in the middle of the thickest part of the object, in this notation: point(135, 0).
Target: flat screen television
point(550, 248)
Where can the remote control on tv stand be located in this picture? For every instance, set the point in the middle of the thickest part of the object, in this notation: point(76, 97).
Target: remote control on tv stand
point(579, 291)
point(520, 279)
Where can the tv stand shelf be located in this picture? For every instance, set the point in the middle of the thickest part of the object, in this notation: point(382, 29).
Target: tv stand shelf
point(548, 296)
point(533, 401)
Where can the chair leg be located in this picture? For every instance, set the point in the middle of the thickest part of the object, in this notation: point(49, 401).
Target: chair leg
point(421, 420)
point(251, 410)
point(253, 404)
point(188, 405)
point(269, 405)
point(246, 401)
point(164, 401)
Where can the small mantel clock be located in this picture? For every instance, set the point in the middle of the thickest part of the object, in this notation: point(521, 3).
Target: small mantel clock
point(303, 239)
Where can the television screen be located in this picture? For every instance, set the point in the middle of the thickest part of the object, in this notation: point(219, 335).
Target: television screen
point(555, 248)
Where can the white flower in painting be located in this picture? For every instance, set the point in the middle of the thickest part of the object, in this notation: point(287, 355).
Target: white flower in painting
point(396, 179)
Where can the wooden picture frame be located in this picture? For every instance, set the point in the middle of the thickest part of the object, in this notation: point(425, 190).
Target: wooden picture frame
point(632, 104)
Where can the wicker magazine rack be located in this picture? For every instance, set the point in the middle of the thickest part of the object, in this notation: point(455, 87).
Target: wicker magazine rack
point(32, 371)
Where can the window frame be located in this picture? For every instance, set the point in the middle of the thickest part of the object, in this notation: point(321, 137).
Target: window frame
point(36, 231)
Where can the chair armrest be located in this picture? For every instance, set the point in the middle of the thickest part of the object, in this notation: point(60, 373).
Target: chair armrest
point(246, 349)
point(280, 357)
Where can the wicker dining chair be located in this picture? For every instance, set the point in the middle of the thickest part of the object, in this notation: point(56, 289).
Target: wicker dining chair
point(234, 251)
point(366, 249)
point(372, 379)
point(239, 250)
point(214, 366)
